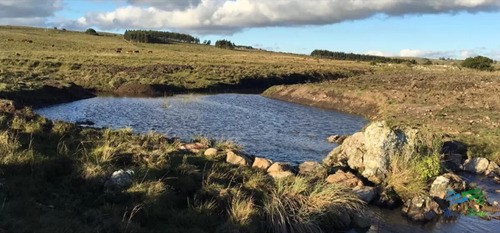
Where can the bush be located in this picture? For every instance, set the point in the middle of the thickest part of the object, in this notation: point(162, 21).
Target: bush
point(225, 44)
point(91, 31)
point(478, 63)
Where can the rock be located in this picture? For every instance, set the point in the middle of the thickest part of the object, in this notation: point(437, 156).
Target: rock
point(453, 147)
point(279, 175)
point(365, 193)
point(195, 147)
point(344, 178)
point(210, 152)
point(280, 170)
point(336, 139)
point(370, 151)
point(454, 161)
point(447, 181)
point(493, 169)
point(235, 159)
point(121, 178)
point(312, 169)
point(7, 106)
point(85, 122)
point(261, 163)
point(279, 167)
point(360, 221)
point(387, 199)
point(476, 165)
point(421, 209)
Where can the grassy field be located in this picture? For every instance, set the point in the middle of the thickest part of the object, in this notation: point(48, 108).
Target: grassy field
point(92, 62)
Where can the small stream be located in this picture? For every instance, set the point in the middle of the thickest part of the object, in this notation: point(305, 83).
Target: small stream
point(277, 130)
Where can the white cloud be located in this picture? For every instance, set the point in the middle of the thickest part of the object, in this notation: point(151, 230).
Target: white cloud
point(27, 12)
point(462, 54)
point(468, 53)
point(224, 16)
point(415, 53)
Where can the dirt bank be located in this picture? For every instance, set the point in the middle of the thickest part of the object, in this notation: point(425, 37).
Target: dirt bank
point(47, 95)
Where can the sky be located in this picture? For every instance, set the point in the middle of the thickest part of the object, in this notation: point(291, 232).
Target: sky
point(411, 28)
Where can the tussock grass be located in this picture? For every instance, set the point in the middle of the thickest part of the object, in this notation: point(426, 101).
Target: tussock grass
point(295, 205)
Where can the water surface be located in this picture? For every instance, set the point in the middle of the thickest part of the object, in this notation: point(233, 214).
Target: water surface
point(265, 127)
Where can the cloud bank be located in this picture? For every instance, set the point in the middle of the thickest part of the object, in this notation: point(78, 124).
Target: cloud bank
point(227, 17)
point(438, 54)
point(27, 12)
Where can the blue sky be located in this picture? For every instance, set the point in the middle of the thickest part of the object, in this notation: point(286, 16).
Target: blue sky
point(424, 28)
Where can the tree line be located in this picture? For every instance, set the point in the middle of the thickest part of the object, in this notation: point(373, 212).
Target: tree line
point(358, 57)
point(144, 36)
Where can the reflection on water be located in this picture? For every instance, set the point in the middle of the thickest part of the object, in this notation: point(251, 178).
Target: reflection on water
point(270, 128)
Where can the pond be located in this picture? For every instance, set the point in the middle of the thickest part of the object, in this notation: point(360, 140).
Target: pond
point(273, 129)
point(277, 130)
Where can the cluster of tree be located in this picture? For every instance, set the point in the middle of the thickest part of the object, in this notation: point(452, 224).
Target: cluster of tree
point(478, 63)
point(144, 36)
point(225, 44)
point(358, 57)
point(91, 31)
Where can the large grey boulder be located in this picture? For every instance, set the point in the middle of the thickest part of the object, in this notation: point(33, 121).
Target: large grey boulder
point(241, 160)
point(476, 165)
point(421, 209)
point(371, 151)
point(447, 181)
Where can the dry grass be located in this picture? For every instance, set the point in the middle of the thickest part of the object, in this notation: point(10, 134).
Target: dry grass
point(296, 205)
point(91, 61)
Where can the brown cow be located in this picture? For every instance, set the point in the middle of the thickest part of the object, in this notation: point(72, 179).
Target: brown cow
point(10, 39)
point(150, 51)
point(27, 41)
point(136, 51)
point(18, 54)
point(118, 51)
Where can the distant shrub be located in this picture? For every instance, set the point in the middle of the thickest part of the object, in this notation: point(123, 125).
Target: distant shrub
point(91, 31)
point(358, 57)
point(225, 44)
point(478, 63)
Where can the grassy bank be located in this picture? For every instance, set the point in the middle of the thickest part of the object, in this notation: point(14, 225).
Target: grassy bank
point(57, 56)
point(54, 178)
point(460, 104)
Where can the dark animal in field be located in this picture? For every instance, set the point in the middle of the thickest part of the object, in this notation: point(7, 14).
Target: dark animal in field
point(10, 39)
point(118, 51)
point(53, 46)
point(136, 51)
point(150, 51)
point(18, 54)
point(27, 41)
